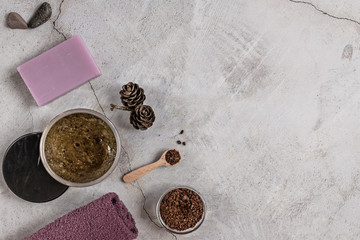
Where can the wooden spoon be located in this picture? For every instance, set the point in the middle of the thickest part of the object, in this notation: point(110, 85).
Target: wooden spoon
point(138, 173)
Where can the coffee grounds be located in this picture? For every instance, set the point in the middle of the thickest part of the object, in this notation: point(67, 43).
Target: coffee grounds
point(172, 157)
point(184, 143)
point(181, 132)
point(181, 209)
point(178, 142)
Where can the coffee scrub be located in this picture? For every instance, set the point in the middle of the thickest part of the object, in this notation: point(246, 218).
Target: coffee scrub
point(182, 209)
point(80, 147)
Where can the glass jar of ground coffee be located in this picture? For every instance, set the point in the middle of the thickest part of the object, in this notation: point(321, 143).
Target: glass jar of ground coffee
point(181, 210)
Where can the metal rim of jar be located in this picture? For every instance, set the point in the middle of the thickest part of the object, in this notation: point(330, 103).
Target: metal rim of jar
point(198, 224)
point(67, 113)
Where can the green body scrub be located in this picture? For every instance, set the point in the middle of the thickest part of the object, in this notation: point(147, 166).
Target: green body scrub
point(80, 147)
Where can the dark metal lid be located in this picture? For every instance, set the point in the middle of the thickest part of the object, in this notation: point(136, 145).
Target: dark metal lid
point(24, 173)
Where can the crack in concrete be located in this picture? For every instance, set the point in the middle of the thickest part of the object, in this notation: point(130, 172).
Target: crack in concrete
point(32, 121)
point(142, 193)
point(147, 213)
point(127, 157)
point(97, 99)
point(54, 22)
point(325, 13)
point(138, 187)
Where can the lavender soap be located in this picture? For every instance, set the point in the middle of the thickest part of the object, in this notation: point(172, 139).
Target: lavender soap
point(59, 70)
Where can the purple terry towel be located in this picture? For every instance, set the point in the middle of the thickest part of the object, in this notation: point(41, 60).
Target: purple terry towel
point(105, 218)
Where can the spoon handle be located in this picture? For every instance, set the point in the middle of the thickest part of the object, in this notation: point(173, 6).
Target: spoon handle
point(138, 173)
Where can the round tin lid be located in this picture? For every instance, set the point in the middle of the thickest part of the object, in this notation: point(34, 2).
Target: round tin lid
point(24, 173)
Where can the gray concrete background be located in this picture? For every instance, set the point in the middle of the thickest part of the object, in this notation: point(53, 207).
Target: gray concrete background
point(266, 91)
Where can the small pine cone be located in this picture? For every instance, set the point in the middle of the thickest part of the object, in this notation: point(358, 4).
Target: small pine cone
point(142, 117)
point(132, 95)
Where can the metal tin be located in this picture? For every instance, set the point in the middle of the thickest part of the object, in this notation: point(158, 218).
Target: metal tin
point(67, 113)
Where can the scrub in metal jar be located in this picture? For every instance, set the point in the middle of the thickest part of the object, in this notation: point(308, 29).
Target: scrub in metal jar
point(80, 147)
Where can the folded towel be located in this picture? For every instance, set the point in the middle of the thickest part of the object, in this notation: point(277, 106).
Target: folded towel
point(105, 218)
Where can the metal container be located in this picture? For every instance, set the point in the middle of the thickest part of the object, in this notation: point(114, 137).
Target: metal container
point(67, 113)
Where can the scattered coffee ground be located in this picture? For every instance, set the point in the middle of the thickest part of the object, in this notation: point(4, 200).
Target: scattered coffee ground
point(181, 209)
point(178, 141)
point(172, 157)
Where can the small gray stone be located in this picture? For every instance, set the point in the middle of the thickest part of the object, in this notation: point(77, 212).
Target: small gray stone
point(41, 15)
point(15, 21)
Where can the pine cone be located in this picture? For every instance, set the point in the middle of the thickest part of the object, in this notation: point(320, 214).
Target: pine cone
point(142, 117)
point(132, 95)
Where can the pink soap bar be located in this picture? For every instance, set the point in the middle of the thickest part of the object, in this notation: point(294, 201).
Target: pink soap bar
point(59, 70)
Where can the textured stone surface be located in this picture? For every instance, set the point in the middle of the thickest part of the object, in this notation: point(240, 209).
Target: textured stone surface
point(266, 91)
point(15, 21)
